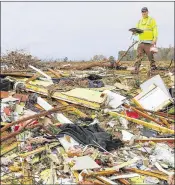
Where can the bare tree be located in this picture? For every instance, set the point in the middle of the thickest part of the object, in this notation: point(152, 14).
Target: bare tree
point(65, 59)
point(98, 57)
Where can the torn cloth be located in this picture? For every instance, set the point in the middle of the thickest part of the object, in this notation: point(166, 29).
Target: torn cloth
point(88, 134)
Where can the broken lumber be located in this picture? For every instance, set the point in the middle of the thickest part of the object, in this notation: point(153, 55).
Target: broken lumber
point(4, 138)
point(156, 140)
point(157, 113)
point(9, 148)
point(146, 124)
point(64, 97)
point(100, 173)
point(145, 115)
point(34, 77)
point(88, 66)
point(36, 116)
point(165, 122)
point(58, 75)
point(41, 72)
point(148, 173)
point(106, 180)
point(16, 74)
point(73, 109)
point(36, 151)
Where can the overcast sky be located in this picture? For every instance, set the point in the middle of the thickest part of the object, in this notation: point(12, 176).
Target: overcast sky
point(79, 30)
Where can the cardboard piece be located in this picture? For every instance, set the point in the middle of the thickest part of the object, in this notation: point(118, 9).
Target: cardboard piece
point(85, 162)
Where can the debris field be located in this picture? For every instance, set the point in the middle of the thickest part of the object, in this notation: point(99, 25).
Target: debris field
point(85, 123)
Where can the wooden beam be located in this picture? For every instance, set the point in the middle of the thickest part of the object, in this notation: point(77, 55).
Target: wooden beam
point(34, 77)
point(146, 124)
point(148, 173)
point(58, 75)
point(145, 115)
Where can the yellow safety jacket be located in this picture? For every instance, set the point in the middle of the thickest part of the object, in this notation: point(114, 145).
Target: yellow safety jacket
point(149, 26)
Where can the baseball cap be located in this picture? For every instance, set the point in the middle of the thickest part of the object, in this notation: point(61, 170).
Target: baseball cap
point(144, 9)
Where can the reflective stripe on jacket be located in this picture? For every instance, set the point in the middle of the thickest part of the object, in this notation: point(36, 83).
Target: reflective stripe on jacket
point(150, 29)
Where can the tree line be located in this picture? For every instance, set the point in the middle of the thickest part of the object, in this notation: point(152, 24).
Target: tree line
point(164, 54)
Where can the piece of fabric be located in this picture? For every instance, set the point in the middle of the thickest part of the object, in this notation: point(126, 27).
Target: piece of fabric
point(150, 29)
point(88, 134)
point(142, 49)
point(6, 85)
point(94, 77)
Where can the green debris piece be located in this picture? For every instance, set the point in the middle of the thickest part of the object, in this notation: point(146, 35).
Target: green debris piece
point(36, 159)
point(53, 129)
point(171, 111)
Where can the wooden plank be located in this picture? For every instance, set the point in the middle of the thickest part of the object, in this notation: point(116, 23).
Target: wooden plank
point(58, 75)
point(60, 96)
point(146, 124)
point(145, 115)
point(148, 173)
point(41, 72)
point(34, 77)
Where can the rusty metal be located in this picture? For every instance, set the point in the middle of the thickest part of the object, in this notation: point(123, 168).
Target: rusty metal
point(36, 116)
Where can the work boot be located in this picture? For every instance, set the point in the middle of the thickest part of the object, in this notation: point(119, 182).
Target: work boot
point(152, 71)
point(137, 66)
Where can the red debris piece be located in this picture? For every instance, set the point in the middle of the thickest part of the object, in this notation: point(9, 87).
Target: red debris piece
point(132, 114)
point(21, 97)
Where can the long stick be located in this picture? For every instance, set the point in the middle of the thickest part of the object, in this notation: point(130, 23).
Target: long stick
point(146, 124)
point(31, 117)
point(156, 113)
point(118, 62)
point(17, 132)
point(145, 115)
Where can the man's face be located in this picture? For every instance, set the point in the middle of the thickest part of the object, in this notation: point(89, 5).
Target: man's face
point(144, 14)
